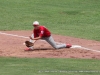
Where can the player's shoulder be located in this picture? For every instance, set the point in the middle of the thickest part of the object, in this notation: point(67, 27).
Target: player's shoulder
point(41, 26)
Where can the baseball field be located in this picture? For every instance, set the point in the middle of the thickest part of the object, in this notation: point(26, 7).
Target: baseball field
point(70, 21)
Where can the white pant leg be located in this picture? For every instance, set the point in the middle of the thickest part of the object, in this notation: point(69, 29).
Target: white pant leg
point(51, 41)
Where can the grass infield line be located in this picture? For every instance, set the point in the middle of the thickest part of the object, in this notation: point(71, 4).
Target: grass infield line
point(73, 46)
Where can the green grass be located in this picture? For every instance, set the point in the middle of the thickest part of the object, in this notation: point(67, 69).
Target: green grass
point(51, 66)
point(77, 18)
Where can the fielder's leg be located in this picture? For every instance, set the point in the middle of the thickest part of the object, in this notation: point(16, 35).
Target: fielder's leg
point(51, 41)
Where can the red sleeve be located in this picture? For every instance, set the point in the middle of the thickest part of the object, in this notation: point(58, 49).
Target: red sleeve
point(34, 33)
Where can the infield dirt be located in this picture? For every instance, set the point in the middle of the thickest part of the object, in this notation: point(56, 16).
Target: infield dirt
point(12, 46)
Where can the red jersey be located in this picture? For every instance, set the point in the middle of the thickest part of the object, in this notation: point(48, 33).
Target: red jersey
point(42, 32)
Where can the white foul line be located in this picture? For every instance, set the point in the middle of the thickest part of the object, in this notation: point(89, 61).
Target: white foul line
point(90, 49)
point(73, 46)
point(13, 35)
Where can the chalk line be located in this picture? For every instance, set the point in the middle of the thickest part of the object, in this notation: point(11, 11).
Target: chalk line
point(13, 35)
point(73, 46)
point(90, 49)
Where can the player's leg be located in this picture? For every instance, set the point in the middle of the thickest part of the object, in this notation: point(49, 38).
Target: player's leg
point(51, 41)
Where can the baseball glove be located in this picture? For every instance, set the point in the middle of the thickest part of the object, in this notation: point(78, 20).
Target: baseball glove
point(28, 43)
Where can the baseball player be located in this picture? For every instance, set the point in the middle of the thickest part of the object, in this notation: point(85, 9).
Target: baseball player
point(41, 32)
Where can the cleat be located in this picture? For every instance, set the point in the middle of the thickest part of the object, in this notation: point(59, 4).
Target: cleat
point(28, 49)
point(68, 45)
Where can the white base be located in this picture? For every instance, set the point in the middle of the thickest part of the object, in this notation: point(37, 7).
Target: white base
point(76, 46)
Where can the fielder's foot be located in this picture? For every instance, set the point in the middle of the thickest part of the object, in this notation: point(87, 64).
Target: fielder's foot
point(27, 49)
point(68, 45)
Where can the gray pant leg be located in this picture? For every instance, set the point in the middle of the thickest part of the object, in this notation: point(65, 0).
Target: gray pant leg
point(51, 41)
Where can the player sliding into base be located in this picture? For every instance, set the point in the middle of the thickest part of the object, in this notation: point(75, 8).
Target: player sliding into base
point(41, 32)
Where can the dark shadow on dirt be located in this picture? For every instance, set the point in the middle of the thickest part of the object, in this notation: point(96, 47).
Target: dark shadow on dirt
point(38, 49)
